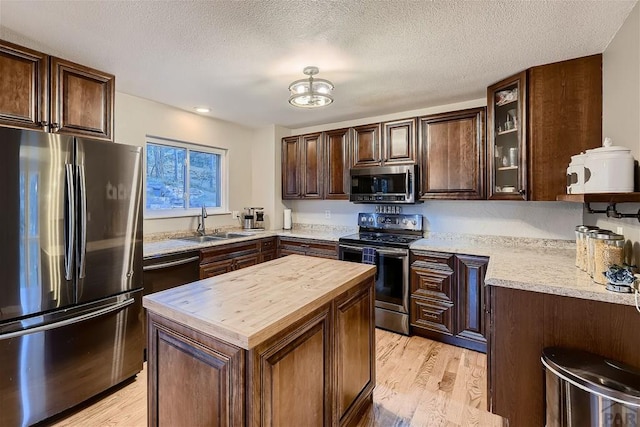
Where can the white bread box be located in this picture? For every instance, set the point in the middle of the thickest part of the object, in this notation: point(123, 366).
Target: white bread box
point(608, 169)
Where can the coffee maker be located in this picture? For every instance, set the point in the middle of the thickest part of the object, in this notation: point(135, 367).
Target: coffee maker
point(253, 219)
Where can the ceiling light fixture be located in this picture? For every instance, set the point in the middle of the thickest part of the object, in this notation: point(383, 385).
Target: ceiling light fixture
point(310, 93)
point(202, 109)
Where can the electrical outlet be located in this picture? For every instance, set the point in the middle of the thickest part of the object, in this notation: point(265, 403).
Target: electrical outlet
point(235, 214)
point(327, 214)
point(619, 230)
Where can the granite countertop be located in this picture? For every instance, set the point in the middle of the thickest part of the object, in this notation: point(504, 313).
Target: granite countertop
point(546, 266)
point(169, 245)
point(248, 306)
point(537, 265)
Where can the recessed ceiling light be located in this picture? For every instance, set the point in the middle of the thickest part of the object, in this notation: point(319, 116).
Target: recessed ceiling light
point(202, 109)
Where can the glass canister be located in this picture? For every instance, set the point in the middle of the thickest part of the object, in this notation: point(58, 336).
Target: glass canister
point(591, 235)
point(582, 250)
point(608, 249)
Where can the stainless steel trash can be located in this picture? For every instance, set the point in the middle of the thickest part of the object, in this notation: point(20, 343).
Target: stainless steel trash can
point(584, 389)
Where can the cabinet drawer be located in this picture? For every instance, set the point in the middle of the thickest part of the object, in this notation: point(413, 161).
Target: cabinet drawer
point(269, 244)
point(433, 257)
point(232, 250)
point(317, 248)
point(432, 280)
point(432, 315)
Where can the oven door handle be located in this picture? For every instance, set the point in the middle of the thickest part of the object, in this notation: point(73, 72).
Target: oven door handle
point(393, 252)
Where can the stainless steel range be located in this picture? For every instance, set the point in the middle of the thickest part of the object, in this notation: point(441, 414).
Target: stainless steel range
point(384, 239)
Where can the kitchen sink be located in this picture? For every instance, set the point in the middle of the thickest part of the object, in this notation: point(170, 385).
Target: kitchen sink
point(229, 235)
point(200, 239)
point(223, 235)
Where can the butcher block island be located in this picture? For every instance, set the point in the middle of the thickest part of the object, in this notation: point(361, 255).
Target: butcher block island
point(289, 342)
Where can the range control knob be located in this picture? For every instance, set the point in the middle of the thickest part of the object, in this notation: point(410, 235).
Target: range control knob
point(414, 222)
point(404, 221)
point(370, 219)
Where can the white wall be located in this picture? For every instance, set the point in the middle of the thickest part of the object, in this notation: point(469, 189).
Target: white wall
point(550, 220)
point(621, 115)
point(135, 118)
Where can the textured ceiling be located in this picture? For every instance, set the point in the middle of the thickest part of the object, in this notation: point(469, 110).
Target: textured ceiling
point(238, 57)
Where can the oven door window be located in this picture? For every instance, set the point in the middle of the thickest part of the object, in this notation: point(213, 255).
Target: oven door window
point(390, 277)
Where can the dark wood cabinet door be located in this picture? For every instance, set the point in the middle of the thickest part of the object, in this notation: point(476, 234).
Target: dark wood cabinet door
point(312, 167)
point(452, 149)
point(282, 398)
point(81, 100)
point(565, 118)
point(291, 163)
point(399, 142)
point(24, 87)
point(470, 303)
point(507, 117)
point(365, 146)
point(216, 268)
point(336, 165)
point(354, 350)
point(184, 364)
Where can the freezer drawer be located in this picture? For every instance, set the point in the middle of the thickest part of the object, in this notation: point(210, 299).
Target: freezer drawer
point(46, 371)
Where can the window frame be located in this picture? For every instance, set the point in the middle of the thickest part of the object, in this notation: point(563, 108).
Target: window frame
point(223, 209)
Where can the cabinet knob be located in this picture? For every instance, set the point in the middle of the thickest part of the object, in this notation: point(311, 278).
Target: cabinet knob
point(55, 126)
point(523, 192)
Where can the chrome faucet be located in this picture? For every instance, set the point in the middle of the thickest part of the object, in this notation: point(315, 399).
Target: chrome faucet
point(203, 215)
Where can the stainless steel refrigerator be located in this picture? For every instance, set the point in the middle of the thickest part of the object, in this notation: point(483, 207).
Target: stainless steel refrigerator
point(70, 271)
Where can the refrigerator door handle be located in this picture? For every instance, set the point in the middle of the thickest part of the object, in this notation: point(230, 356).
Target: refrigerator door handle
point(71, 222)
point(66, 322)
point(83, 223)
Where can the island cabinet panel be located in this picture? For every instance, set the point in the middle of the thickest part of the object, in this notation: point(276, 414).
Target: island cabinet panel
point(24, 86)
point(366, 151)
point(194, 380)
point(452, 147)
point(309, 247)
point(336, 172)
point(523, 323)
point(289, 376)
point(447, 298)
point(268, 249)
point(355, 351)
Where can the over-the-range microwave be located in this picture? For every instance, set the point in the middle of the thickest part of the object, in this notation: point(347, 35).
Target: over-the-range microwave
point(385, 184)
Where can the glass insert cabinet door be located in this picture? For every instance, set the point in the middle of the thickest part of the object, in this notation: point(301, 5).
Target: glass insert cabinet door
point(506, 101)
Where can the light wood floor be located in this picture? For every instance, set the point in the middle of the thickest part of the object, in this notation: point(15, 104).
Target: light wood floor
point(419, 383)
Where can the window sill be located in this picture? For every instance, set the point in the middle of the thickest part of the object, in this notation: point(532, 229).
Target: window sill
point(189, 213)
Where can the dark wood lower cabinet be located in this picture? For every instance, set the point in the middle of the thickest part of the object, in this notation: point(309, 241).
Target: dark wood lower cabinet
point(522, 323)
point(310, 247)
point(320, 371)
point(447, 298)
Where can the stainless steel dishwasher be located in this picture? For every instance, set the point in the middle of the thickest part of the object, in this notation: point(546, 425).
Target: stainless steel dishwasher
point(168, 271)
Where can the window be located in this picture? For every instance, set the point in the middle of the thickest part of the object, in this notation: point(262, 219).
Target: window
point(182, 177)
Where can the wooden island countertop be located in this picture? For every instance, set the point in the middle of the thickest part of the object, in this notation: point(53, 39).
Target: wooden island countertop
point(248, 306)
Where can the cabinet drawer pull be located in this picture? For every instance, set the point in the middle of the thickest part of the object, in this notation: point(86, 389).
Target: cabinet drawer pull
point(431, 316)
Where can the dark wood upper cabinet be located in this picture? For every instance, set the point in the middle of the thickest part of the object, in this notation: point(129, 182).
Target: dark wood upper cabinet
point(565, 118)
point(302, 167)
point(81, 100)
point(452, 147)
point(507, 138)
point(537, 120)
point(336, 164)
point(399, 142)
point(366, 151)
point(312, 176)
point(24, 87)
point(38, 91)
point(291, 168)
